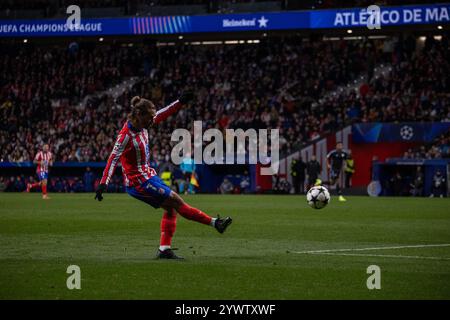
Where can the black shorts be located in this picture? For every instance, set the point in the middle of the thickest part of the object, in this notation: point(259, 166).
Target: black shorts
point(335, 173)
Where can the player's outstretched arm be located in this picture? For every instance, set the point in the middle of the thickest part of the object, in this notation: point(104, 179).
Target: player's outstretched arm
point(164, 113)
point(113, 161)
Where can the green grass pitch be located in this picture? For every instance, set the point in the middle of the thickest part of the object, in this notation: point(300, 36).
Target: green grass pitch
point(259, 257)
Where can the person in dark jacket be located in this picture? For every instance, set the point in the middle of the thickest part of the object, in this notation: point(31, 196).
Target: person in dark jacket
point(438, 188)
point(313, 169)
point(298, 168)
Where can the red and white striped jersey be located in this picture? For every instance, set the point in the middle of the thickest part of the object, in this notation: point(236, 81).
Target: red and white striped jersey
point(43, 158)
point(132, 150)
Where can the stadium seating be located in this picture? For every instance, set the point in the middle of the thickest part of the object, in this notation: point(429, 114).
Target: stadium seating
point(276, 83)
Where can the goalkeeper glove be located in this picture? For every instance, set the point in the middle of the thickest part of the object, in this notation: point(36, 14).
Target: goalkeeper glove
point(98, 193)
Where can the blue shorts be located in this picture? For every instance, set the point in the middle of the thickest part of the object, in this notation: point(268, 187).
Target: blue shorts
point(42, 175)
point(153, 192)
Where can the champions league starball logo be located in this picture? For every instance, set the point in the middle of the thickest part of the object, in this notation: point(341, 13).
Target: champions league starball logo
point(406, 132)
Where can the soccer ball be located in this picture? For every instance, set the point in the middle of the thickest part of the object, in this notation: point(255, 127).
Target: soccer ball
point(318, 197)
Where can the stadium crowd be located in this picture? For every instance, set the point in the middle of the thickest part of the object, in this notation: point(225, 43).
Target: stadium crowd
point(288, 83)
point(439, 149)
point(40, 84)
point(273, 84)
point(315, 4)
point(39, 87)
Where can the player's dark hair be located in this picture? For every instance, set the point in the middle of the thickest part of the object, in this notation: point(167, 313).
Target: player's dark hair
point(139, 106)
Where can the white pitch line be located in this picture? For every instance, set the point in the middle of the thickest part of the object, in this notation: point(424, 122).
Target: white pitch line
point(377, 248)
point(379, 255)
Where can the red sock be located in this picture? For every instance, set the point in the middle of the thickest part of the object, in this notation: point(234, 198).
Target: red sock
point(191, 213)
point(44, 189)
point(36, 184)
point(168, 225)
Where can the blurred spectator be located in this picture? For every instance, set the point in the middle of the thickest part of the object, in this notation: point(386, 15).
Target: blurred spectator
point(58, 185)
point(438, 149)
point(282, 186)
point(349, 170)
point(226, 186)
point(396, 184)
point(2, 184)
point(245, 183)
point(77, 185)
point(439, 187)
point(187, 167)
point(88, 179)
point(298, 168)
point(166, 177)
point(313, 168)
point(417, 185)
point(374, 160)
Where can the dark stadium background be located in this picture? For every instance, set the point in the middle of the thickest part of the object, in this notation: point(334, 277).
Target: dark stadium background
point(383, 93)
point(51, 92)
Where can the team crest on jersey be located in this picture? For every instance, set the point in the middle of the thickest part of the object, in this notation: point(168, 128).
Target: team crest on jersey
point(161, 191)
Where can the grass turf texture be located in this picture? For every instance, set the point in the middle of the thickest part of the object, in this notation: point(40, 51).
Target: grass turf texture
point(114, 243)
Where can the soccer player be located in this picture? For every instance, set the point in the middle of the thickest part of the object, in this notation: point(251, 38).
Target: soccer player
point(44, 160)
point(335, 163)
point(132, 150)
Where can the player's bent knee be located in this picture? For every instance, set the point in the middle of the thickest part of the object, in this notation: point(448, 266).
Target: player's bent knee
point(176, 197)
point(174, 201)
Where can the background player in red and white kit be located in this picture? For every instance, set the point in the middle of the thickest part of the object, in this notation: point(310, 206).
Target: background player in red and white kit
point(132, 150)
point(43, 159)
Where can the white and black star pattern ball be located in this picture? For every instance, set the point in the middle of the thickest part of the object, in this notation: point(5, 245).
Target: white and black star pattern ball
point(406, 132)
point(318, 197)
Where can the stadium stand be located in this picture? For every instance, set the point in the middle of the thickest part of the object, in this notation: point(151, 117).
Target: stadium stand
point(238, 87)
point(275, 83)
point(232, 84)
point(25, 9)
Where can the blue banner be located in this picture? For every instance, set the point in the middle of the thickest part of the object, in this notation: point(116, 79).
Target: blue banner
point(395, 132)
point(389, 16)
point(46, 28)
point(313, 19)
